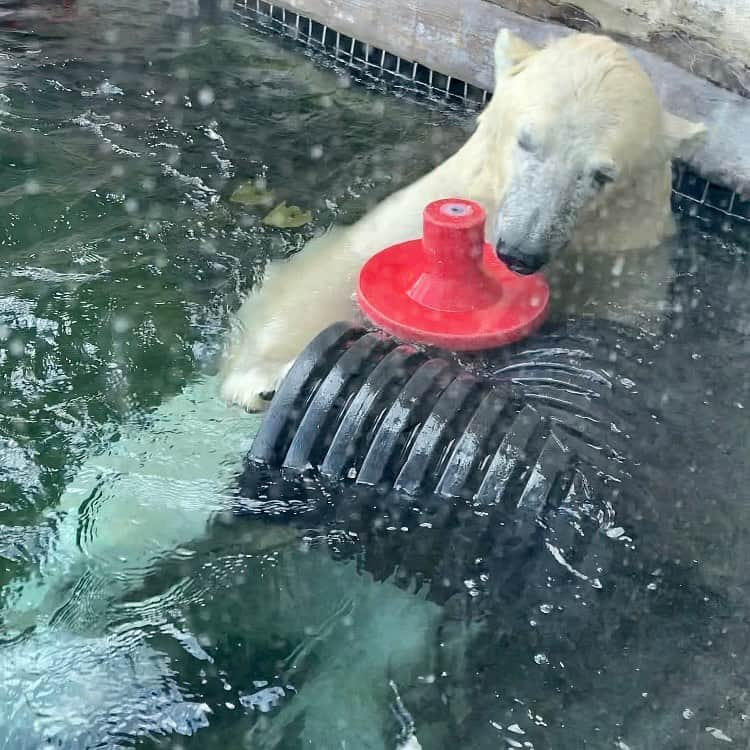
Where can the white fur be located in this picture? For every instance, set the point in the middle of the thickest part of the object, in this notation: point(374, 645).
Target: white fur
point(589, 106)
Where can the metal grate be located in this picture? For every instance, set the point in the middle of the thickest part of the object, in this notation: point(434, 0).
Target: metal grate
point(362, 60)
point(691, 193)
point(706, 200)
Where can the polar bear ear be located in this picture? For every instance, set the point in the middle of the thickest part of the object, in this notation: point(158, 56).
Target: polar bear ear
point(683, 137)
point(509, 51)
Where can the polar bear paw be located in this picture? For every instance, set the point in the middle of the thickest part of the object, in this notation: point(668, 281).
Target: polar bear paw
point(254, 388)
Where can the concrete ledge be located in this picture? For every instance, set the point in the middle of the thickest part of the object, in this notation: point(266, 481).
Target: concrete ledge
point(455, 37)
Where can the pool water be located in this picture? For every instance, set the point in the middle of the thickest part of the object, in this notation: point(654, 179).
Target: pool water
point(136, 609)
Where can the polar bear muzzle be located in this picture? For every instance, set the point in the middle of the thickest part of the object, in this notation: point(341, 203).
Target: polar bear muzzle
point(520, 262)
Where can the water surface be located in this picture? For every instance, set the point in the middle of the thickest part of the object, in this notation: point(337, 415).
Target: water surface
point(122, 135)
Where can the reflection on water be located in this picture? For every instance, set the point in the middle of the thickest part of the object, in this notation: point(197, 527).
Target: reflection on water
point(139, 608)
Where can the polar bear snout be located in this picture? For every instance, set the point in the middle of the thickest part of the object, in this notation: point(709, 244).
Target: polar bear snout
point(519, 261)
point(522, 257)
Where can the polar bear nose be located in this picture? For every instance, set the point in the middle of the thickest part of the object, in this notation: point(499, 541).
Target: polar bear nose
point(520, 262)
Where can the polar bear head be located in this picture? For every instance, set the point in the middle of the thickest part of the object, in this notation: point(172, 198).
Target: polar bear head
point(579, 144)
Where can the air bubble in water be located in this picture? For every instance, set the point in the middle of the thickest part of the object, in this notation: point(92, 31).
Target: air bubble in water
point(206, 97)
point(120, 324)
point(618, 265)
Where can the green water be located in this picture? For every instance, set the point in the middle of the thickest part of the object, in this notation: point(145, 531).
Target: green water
point(121, 137)
point(121, 255)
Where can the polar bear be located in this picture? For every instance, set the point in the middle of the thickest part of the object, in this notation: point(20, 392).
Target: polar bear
point(570, 161)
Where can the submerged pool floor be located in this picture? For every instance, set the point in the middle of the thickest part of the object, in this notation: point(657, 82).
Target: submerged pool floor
point(134, 603)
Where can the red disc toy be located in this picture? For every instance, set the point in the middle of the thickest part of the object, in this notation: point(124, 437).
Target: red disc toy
point(450, 289)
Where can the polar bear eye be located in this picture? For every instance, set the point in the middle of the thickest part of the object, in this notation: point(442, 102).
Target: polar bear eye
point(603, 176)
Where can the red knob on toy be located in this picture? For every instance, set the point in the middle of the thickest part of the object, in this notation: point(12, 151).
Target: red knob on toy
point(449, 289)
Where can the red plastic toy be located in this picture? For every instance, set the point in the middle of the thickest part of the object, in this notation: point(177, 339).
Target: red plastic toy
point(449, 289)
